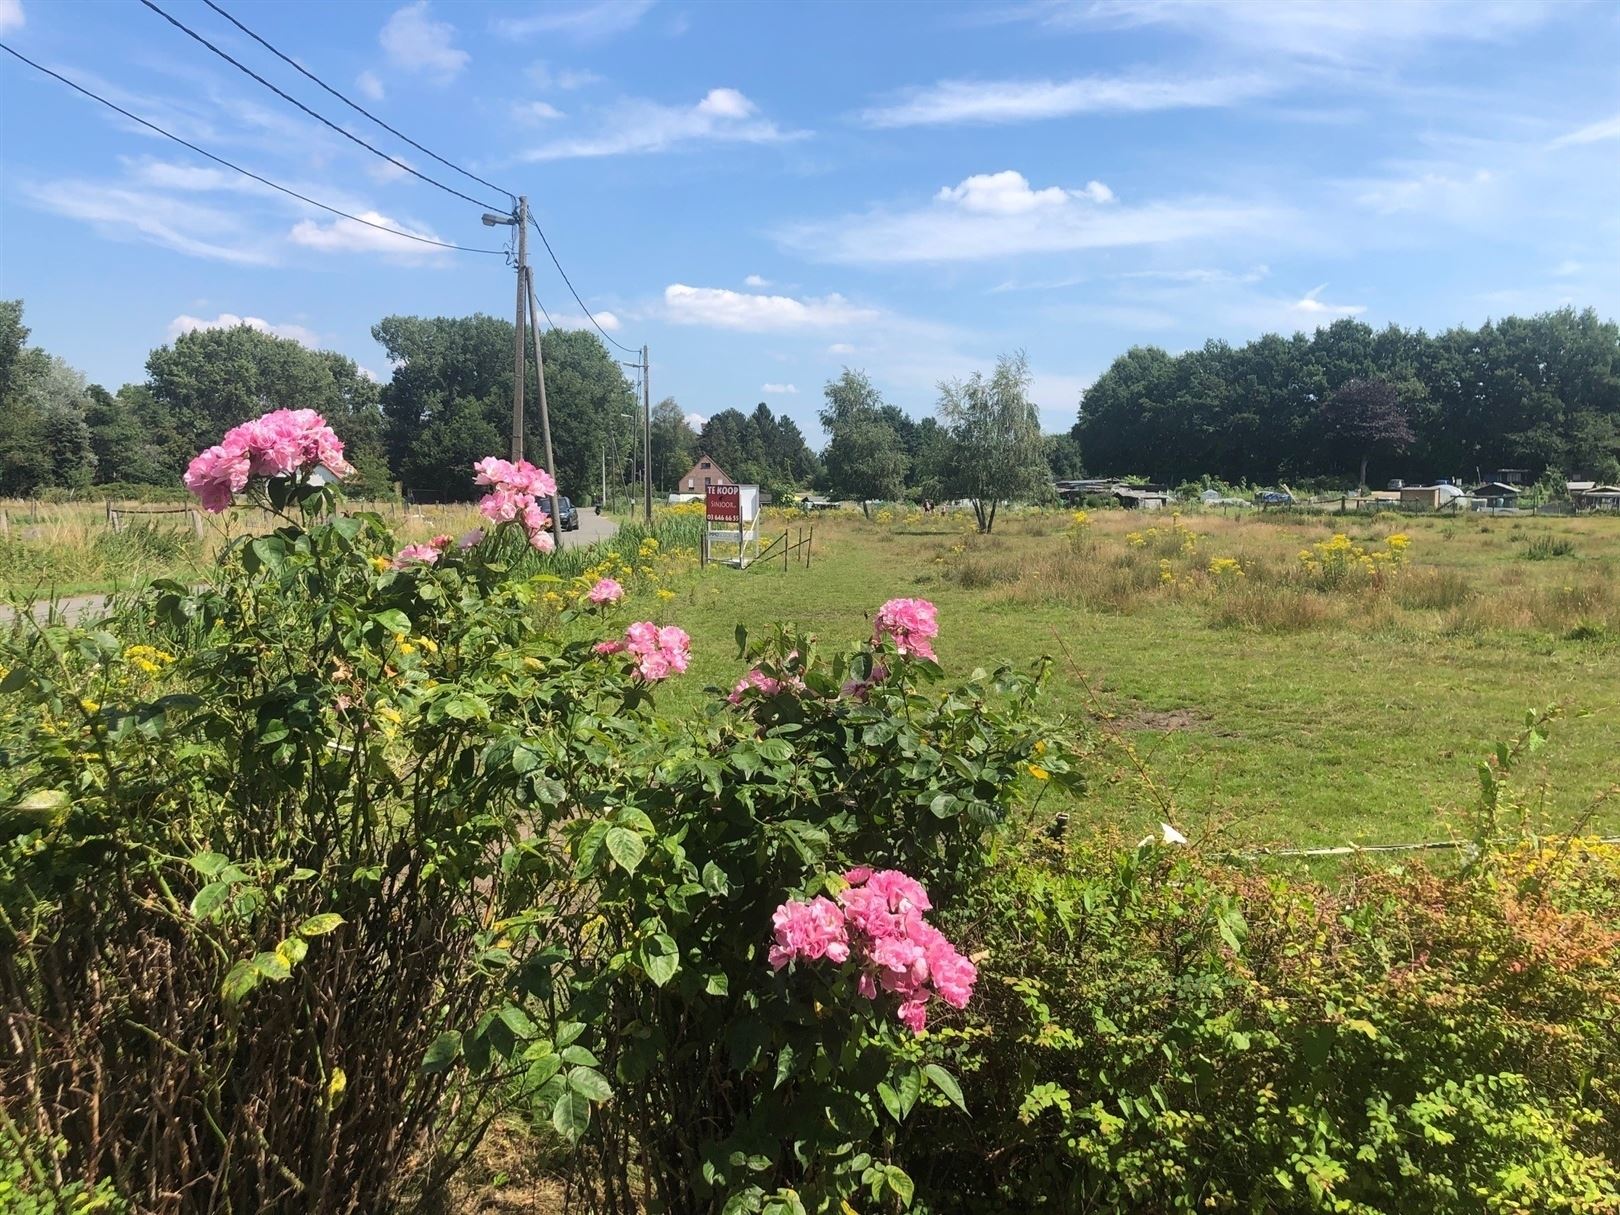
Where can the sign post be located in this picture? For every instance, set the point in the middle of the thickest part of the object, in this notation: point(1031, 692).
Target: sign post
point(731, 512)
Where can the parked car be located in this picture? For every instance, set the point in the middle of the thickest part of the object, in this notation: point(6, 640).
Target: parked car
point(567, 515)
point(1274, 497)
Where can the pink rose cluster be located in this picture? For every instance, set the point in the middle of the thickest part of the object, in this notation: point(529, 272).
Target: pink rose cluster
point(768, 685)
point(426, 554)
point(277, 444)
point(878, 921)
point(911, 624)
point(512, 498)
point(606, 591)
point(659, 652)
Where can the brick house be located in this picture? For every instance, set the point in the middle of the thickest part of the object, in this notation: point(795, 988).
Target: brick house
point(702, 474)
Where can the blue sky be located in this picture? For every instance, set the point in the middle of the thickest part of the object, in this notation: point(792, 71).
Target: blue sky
point(765, 193)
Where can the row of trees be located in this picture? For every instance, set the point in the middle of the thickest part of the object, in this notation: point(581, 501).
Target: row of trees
point(755, 448)
point(1538, 393)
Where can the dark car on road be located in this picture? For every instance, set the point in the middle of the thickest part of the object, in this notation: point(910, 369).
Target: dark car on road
point(567, 515)
point(1274, 497)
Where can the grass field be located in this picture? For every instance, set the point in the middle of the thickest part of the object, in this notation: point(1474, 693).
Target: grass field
point(1276, 705)
point(53, 549)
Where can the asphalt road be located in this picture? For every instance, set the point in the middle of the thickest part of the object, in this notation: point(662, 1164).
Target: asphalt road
point(77, 608)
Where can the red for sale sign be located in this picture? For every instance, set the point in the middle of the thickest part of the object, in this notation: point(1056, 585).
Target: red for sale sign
point(723, 503)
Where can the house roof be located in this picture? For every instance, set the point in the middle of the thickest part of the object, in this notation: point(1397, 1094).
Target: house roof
point(1603, 491)
point(1498, 489)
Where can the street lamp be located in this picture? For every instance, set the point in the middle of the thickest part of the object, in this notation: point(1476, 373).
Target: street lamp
point(495, 221)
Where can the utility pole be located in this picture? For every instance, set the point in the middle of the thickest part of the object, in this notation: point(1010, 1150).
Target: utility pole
point(519, 375)
point(527, 279)
point(646, 436)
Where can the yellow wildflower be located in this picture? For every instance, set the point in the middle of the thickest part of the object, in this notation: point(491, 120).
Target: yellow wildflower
point(90, 706)
point(389, 714)
point(666, 595)
point(380, 563)
point(428, 644)
point(1039, 773)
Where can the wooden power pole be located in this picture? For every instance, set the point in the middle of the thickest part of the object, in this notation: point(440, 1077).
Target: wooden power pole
point(519, 374)
point(646, 436)
point(545, 414)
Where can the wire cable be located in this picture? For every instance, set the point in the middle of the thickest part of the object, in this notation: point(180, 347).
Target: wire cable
point(241, 67)
point(575, 294)
point(355, 106)
point(152, 126)
point(529, 274)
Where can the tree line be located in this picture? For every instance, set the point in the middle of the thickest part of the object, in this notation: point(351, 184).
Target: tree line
point(1540, 393)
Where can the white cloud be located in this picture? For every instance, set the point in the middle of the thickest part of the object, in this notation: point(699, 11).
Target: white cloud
point(566, 79)
point(778, 390)
point(581, 22)
point(570, 320)
point(417, 43)
point(1607, 128)
point(370, 85)
point(1000, 101)
point(722, 309)
point(1008, 193)
point(126, 214)
point(11, 15)
point(229, 320)
point(696, 421)
point(346, 236)
point(840, 348)
point(1322, 30)
point(368, 373)
point(1429, 191)
point(1001, 215)
point(1311, 304)
point(723, 116)
point(536, 111)
point(755, 280)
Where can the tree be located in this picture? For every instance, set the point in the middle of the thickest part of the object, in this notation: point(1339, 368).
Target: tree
point(1000, 454)
point(1366, 416)
point(125, 446)
point(443, 363)
point(864, 458)
point(674, 444)
point(1063, 457)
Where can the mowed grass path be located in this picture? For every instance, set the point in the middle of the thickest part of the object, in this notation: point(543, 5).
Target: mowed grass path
point(1352, 732)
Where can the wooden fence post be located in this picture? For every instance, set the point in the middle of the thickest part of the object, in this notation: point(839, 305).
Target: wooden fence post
point(196, 522)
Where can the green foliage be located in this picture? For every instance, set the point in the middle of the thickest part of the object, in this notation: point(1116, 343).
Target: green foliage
point(865, 457)
point(757, 449)
point(297, 839)
point(1537, 392)
point(738, 1087)
point(1162, 1031)
point(995, 428)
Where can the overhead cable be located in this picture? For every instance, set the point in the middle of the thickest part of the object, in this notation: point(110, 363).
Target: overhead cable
point(152, 126)
point(354, 105)
point(320, 118)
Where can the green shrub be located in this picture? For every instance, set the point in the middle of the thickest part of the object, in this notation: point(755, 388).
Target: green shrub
point(1546, 547)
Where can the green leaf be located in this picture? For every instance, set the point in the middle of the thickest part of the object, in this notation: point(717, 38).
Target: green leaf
point(741, 634)
point(443, 1052)
point(743, 1202)
point(900, 1184)
point(590, 1084)
point(626, 847)
point(910, 1086)
point(946, 1083)
point(660, 957)
point(890, 1099)
point(210, 899)
point(320, 925)
point(716, 984)
point(242, 979)
point(292, 951)
point(714, 878)
point(394, 620)
point(271, 966)
point(209, 863)
point(571, 1115)
point(578, 1054)
point(517, 1021)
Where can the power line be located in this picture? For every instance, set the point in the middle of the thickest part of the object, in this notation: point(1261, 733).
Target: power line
point(191, 33)
point(353, 105)
point(152, 126)
point(575, 294)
